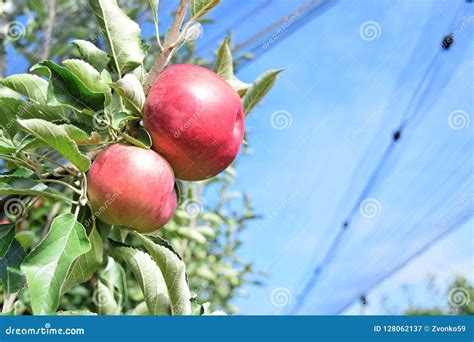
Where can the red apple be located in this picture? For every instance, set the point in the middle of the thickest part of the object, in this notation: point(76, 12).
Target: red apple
point(133, 187)
point(196, 121)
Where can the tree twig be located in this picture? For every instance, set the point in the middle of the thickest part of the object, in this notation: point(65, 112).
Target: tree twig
point(169, 46)
point(48, 32)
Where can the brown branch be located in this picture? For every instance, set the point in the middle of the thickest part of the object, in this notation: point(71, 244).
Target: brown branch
point(48, 32)
point(169, 46)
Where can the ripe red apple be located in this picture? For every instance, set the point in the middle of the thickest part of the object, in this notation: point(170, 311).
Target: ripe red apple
point(196, 121)
point(131, 186)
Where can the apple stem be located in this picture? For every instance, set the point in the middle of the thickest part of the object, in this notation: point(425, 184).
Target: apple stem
point(170, 44)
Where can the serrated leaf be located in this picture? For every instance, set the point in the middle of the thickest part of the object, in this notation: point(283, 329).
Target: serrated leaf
point(259, 89)
point(86, 264)
point(31, 86)
point(123, 35)
point(20, 172)
point(224, 64)
point(199, 8)
point(149, 278)
point(46, 267)
point(130, 88)
point(7, 234)
point(11, 109)
point(87, 74)
point(11, 276)
point(105, 301)
point(92, 54)
point(65, 88)
point(61, 138)
point(174, 272)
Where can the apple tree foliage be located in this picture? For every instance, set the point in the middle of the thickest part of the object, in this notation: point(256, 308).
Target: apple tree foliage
point(81, 95)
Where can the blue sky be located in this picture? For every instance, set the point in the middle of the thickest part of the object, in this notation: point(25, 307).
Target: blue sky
point(349, 77)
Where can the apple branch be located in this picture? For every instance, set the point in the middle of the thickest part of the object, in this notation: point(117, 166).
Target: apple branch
point(171, 41)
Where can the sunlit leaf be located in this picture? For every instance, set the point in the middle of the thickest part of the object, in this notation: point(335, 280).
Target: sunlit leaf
point(46, 267)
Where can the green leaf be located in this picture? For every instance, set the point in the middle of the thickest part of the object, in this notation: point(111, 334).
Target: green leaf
point(123, 35)
point(6, 147)
point(12, 278)
point(174, 272)
point(65, 88)
point(149, 278)
point(87, 74)
point(259, 89)
point(114, 277)
point(61, 138)
point(105, 301)
point(7, 234)
point(130, 88)
point(192, 234)
point(239, 86)
point(28, 187)
point(8, 112)
point(46, 267)
point(141, 310)
point(142, 140)
point(31, 86)
point(20, 172)
point(224, 64)
point(11, 109)
point(199, 8)
point(92, 54)
point(86, 264)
